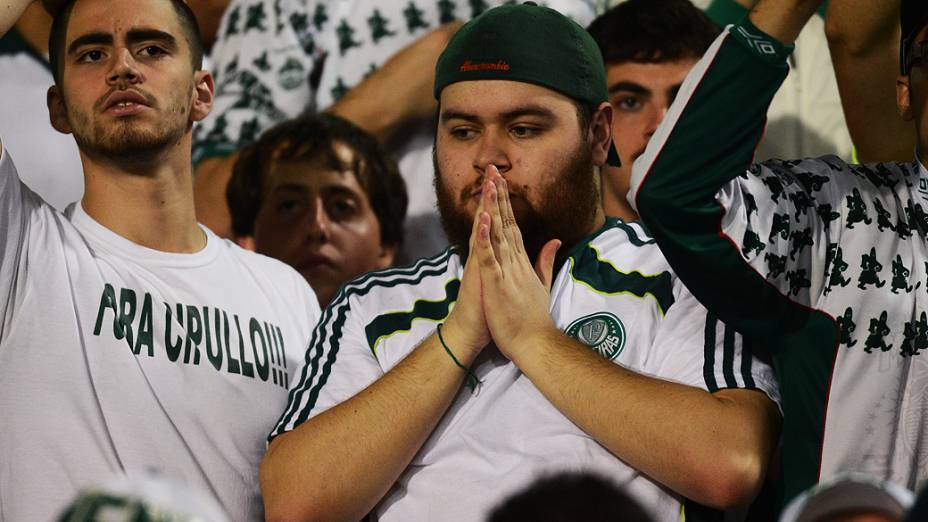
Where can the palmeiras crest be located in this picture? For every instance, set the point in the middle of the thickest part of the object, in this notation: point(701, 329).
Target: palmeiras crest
point(601, 331)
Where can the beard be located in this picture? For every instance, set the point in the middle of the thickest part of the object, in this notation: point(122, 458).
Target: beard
point(566, 209)
point(127, 139)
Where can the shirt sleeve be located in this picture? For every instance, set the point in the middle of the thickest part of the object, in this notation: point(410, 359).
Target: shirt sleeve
point(697, 349)
point(264, 55)
point(338, 364)
point(742, 237)
point(17, 203)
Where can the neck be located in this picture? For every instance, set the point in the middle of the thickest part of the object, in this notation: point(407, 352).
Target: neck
point(149, 203)
point(34, 26)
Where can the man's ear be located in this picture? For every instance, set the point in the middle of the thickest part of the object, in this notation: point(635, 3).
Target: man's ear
point(904, 98)
point(246, 242)
point(203, 92)
point(387, 255)
point(601, 133)
point(57, 112)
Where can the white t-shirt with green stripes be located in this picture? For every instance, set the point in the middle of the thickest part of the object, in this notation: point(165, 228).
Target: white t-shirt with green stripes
point(615, 293)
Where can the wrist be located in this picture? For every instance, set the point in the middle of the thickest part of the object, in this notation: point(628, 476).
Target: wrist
point(525, 347)
point(460, 340)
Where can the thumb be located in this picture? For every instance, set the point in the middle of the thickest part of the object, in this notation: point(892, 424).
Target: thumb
point(544, 265)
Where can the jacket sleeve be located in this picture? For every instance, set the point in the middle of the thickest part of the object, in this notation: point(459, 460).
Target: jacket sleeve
point(744, 238)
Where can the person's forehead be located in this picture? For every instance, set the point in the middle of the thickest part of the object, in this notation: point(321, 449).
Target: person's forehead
point(313, 174)
point(648, 74)
point(500, 96)
point(117, 17)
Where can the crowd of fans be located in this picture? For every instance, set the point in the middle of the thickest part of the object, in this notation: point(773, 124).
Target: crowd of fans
point(463, 260)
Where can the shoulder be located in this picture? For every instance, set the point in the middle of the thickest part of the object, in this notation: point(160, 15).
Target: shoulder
point(428, 279)
point(832, 169)
point(623, 258)
point(271, 275)
point(619, 242)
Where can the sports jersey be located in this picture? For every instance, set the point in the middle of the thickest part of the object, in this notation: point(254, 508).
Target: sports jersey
point(615, 294)
point(48, 159)
point(821, 262)
point(274, 59)
point(117, 358)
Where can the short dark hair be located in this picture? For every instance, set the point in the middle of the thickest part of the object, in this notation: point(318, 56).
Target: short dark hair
point(308, 137)
point(56, 37)
point(652, 31)
point(567, 497)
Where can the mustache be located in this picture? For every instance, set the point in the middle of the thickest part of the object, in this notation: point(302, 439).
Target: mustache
point(474, 189)
point(101, 101)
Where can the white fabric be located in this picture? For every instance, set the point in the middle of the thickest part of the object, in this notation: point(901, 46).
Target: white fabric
point(79, 406)
point(493, 443)
point(48, 159)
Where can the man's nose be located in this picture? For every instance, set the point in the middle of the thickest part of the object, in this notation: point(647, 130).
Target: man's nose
point(492, 151)
point(125, 68)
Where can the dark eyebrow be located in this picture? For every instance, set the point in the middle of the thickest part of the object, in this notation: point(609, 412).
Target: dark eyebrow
point(132, 37)
point(142, 35)
point(457, 115)
point(529, 110)
point(290, 187)
point(631, 87)
point(98, 38)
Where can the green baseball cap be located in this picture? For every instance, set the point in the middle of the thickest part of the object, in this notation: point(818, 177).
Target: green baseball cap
point(527, 43)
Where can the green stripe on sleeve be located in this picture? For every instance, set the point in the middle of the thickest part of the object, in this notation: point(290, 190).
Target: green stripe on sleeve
point(708, 367)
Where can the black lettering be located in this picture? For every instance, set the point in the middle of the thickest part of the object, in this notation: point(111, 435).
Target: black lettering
point(262, 367)
point(194, 335)
point(145, 337)
point(123, 326)
point(214, 358)
point(247, 368)
point(233, 362)
point(107, 300)
point(173, 348)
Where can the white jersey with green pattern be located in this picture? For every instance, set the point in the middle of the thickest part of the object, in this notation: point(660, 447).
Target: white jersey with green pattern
point(615, 293)
point(824, 263)
point(275, 59)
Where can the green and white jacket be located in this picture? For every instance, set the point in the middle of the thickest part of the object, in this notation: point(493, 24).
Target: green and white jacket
point(615, 293)
point(821, 262)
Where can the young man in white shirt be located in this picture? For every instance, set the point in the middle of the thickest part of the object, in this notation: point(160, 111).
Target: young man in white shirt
point(131, 337)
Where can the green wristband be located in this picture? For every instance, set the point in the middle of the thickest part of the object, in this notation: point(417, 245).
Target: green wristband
point(472, 380)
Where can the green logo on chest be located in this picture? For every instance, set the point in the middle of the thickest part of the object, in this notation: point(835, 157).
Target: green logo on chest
point(602, 332)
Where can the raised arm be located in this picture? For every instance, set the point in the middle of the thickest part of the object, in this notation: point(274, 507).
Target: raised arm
point(863, 37)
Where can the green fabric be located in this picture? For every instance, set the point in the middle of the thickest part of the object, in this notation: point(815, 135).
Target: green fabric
point(387, 324)
point(724, 12)
point(712, 144)
point(526, 43)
